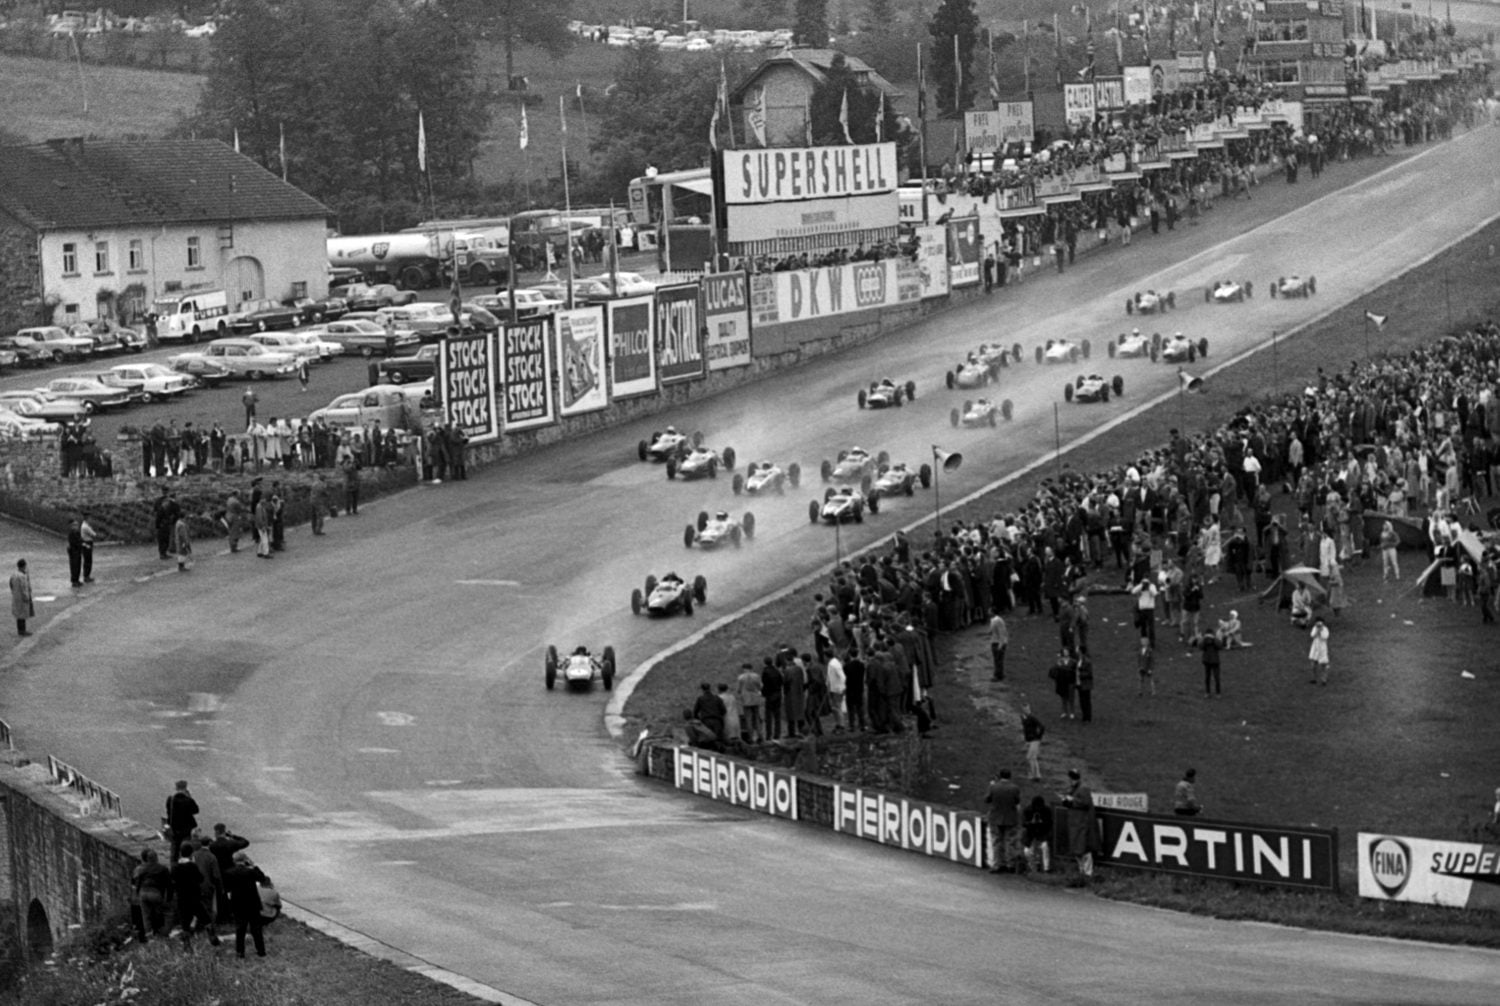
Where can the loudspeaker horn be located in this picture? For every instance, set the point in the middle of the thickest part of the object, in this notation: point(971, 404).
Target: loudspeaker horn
point(1192, 385)
point(947, 460)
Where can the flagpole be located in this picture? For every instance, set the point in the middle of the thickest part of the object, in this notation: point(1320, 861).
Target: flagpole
point(1026, 58)
point(922, 124)
point(567, 198)
point(582, 114)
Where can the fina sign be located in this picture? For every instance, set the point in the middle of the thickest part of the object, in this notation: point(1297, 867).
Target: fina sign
point(1452, 874)
point(939, 832)
point(1282, 857)
point(735, 782)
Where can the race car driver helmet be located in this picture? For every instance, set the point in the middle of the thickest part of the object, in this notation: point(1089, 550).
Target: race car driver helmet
point(1135, 331)
point(581, 651)
point(721, 515)
point(1177, 335)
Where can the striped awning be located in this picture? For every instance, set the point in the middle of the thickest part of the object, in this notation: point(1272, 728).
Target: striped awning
point(813, 242)
point(1021, 211)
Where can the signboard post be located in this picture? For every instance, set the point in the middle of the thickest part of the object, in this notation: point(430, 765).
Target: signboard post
point(526, 365)
point(466, 383)
point(580, 356)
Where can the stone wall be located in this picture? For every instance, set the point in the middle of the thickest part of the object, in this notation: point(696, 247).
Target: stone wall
point(20, 276)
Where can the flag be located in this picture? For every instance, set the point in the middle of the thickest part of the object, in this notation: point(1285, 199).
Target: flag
point(1378, 319)
point(1120, 49)
point(1058, 42)
point(721, 107)
point(1026, 57)
point(921, 88)
point(421, 143)
point(994, 74)
point(807, 135)
point(282, 127)
point(844, 117)
point(755, 116)
point(880, 120)
point(236, 141)
point(525, 132)
point(713, 128)
point(958, 77)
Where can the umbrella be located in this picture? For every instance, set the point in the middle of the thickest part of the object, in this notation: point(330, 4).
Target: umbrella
point(1305, 575)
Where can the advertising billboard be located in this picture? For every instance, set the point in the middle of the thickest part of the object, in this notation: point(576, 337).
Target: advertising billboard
point(726, 320)
point(1017, 121)
point(1137, 85)
point(526, 374)
point(982, 132)
point(809, 218)
point(679, 334)
point(632, 348)
point(802, 294)
point(932, 259)
point(763, 299)
point(580, 357)
point(1109, 93)
point(466, 383)
point(728, 780)
point(940, 832)
point(1247, 853)
point(965, 251)
point(1078, 103)
point(1453, 874)
point(779, 175)
point(1165, 77)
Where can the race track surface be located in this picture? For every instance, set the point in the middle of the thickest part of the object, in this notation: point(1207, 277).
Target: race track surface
point(369, 709)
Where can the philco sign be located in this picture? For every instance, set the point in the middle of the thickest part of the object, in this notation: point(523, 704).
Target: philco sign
point(1431, 872)
point(940, 832)
point(1284, 857)
point(739, 783)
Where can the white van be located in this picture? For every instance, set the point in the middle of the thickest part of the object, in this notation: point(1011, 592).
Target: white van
point(191, 315)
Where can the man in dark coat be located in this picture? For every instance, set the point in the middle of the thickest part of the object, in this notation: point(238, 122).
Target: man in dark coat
point(182, 815)
point(1004, 815)
point(187, 885)
point(243, 882)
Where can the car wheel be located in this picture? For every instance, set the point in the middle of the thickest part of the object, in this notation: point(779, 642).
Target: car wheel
point(883, 458)
point(748, 523)
point(911, 391)
point(859, 514)
point(951, 380)
point(992, 418)
point(865, 484)
point(863, 398)
point(882, 469)
point(702, 520)
point(1155, 353)
point(1208, 295)
point(607, 668)
point(366, 351)
point(1087, 349)
point(953, 418)
point(1171, 300)
point(1067, 392)
point(1039, 352)
point(1129, 306)
point(260, 326)
point(828, 494)
point(734, 537)
point(688, 536)
point(1104, 395)
point(728, 458)
point(396, 377)
point(826, 470)
point(254, 375)
point(842, 455)
point(874, 501)
point(697, 438)
point(650, 585)
point(1015, 352)
point(794, 475)
point(1112, 349)
point(738, 485)
point(671, 468)
point(89, 406)
point(924, 476)
point(687, 606)
point(713, 468)
point(700, 589)
point(1276, 286)
point(58, 356)
point(640, 449)
point(1203, 347)
point(896, 398)
point(1073, 354)
point(1006, 409)
point(550, 665)
point(1312, 285)
point(813, 510)
point(1118, 384)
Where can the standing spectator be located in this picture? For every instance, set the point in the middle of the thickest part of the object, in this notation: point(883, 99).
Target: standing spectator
point(75, 553)
point(771, 683)
point(217, 441)
point(182, 814)
point(151, 882)
point(166, 512)
point(1192, 608)
point(1082, 836)
point(278, 518)
point(1032, 732)
point(1037, 825)
point(1317, 654)
point(1390, 565)
point(182, 543)
point(224, 845)
point(1238, 554)
point(854, 691)
point(243, 882)
point(1210, 646)
point(187, 885)
point(88, 534)
point(999, 640)
point(794, 692)
point(1185, 797)
point(317, 499)
point(215, 900)
point(1064, 677)
point(1144, 661)
point(837, 684)
point(249, 398)
point(234, 519)
point(351, 486)
point(748, 690)
point(709, 710)
point(262, 517)
point(303, 376)
point(1145, 608)
point(731, 706)
point(1085, 686)
point(1004, 815)
point(22, 607)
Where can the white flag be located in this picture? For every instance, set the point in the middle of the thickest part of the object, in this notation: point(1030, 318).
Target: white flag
point(421, 143)
point(880, 120)
point(1378, 319)
point(756, 116)
point(236, 141)
point(525, 131)
point(844, 117)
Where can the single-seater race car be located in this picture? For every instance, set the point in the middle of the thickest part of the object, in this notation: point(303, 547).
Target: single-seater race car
point(1150, 302)
point(898, 480)
point(1180, 349)
point(580, 669)
point(1227, 291)
point(1135, 345)
point(983, 366)
point(1093, 388)
point(887, 394)
point(669, 595)
point(1062, 351)
point(1294, 286)
point(764, 477)
point(981, 412)
point(713, 531)
point(854, 465)
point(843, 504)
point(667, 444)
point(700, 462)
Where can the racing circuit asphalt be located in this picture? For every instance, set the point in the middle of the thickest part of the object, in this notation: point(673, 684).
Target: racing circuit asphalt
point(369, 709)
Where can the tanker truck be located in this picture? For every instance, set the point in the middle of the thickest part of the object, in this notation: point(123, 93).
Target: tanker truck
point(420, 261)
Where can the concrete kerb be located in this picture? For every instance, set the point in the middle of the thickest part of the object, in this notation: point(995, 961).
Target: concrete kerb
point(614, 719)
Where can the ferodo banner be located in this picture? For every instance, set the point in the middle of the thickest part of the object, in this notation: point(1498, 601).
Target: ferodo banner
point(580, 356)
point(679, 334)
point(1453, 874)
point(726, 319)
point(632, 348)
point(797, 173)
point(802, 294)
point(466, 383)
point(743, 784)
point(1249, 853)
point(940, 832)
point(526, 372)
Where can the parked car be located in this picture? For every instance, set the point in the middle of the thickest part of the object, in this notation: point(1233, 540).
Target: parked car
point(57, 343)
point(243, 358)
point(150, 380)
point(316, 312)
point(264, 315)
point(369, 297)
point(391, 405)
point(289, 343)
point(9, 358)
point(529, 303)
point(365, 337)
point(419, 367)
point(109, 336)
point(89, 392)
point(205, 371)
point(40, 405)
point(29, 351)
point(14, 425)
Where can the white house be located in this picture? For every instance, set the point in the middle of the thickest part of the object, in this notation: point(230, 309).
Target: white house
point(108, 226)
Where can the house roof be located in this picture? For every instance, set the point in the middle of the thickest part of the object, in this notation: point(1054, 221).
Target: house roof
point(66, 184)
point(816, 63)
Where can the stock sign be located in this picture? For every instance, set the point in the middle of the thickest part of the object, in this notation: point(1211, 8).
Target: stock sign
point(527, 366)
point(679, 333)
point(466, 378)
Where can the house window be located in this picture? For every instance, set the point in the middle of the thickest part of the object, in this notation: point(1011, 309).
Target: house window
point(195, 254)
point(137, 255)
point(101, 257)
point(299, 289)
point(70, 313)
point(70, 259)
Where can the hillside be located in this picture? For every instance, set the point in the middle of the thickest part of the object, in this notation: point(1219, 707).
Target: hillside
point(46, 98)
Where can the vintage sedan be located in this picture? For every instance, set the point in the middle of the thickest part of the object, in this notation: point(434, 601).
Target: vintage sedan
point(419, 367)
point(8, 358)
point(366, 338)
point(371, 297)
point(243, 358)
point(150, 380)
point(529, 303)
point(15, 426)
point(56, 343)
point(109, 336)
point(316, 312)
point(40, 405)
point(290, 343)
point(28, 351)
point(93, 395)
point(264, 315)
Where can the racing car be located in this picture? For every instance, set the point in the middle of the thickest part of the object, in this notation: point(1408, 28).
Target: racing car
point(843, 504)
point(982, 366)
point(1093, 388)
point(763, 477)
point(1227, 291)
point(981, 412)
point(700, 462)
point(711, 532)
point(854, 465)
point(1135, 345)
point(1062, 351)
point(667, 444)
point(1150, 302)
point(886, 394)
point(669, 595)
point(1294, 286)
point(896, 480)
point(1180, 349)
point(580, 669)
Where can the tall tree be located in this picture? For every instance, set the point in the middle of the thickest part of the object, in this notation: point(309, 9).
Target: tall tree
point(864, 105)
point(542, 23)
point(953, 18)
point(811, 27)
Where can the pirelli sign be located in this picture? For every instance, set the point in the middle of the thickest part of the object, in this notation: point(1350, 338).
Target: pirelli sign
point(1248, 853)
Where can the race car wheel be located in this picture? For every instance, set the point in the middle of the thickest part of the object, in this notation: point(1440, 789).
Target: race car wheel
point(635, 601)
point(1312, 285)
point(750, 469)
point(688, 536)
point(874, 502)
point(1155, 353)
point(1118, 386)
point(953, 418)
point(1087, 349)
point(734, 537)
point(702, 520)
point(748, 523)
point(1015, 352)
point(1171, 300)
point(1155, 343)
point(859, 514)
point(883, 458)
point(828, 494)
point(728, 458)
point(650, 585)
point(968, 404)
point(1006, 409)
point(794, 475)
point(551, 667)
point(607, 668)
point(738, 485)
point(713, 468)
point(992, 418)
point(1203, 347)
point(1129, 305)
point(924, 476)
point(896, 398)
point(1192, 354)
point(687, 606)
point(826, 470)
point(842, 455)
point(697, 438)
point(865, 484)
point(882, 469)
point(700, 589)
point(863, 398)
point(911, 391)
point(950, 379)
point(1276, 286)
point(1039, 352)
point(1104, 395)
point(1067, 392)
point(1208, 295)
point(1111, 349)
point(812, 511)
point(671, 468)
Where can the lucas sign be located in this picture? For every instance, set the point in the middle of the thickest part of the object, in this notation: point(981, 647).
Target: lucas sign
point(466, 379)
point(726, 316)
point(1453, 874)
point(1255, 854)
point(526, 369)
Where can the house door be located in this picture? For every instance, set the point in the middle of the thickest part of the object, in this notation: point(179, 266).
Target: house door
point(244, 279)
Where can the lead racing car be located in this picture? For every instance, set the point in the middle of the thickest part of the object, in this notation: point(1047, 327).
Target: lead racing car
point(1180, 349)
point(1294, 286)
point(982, 366)
point(1150, 302)
point(669, 595)
point(580, 669)
point(981, 412)
point(843, 504)
point(1227, 291)
point(854, 465)
point(896, 480)
point(711, 532)
point(1093, 388)
point(667, 444)
point(886, 394)
point(1062, 351)
point(700, 462)
point(1135, 345)
point(764, 477)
